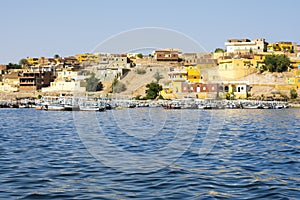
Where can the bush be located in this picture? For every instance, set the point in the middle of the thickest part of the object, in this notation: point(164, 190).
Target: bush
point(153, 90)
point(139, 55)
point(141, 71)
point(118, 87)
point(293, 94)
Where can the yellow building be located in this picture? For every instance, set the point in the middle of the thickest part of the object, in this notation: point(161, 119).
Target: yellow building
point(193, 74)
point(32, 61)
point(280, 46)
point(295, 62)
point(232, 69)
point(296, 79)
point(87, 57)
point(167, 93)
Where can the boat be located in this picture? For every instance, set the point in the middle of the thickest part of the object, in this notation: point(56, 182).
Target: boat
point(53, 107)
point(91, 108)
point(69, 107)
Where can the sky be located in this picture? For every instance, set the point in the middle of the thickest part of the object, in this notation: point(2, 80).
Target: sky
point(35, 28)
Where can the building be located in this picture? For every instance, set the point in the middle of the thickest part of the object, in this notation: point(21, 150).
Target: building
point(235, 68)
point(281, 46)
point(193, 74)
point(32, 61)
point(107, 60)
point(177, 77)
point(295, 62)
point(67, 81)
point(166, 55)
point(217, 89)
point(239, 89)
point(65, 86)
point(246, 46)
point(87, 57)
point(10, 82)
point(296, 79)
point(68, 61)
point(35, 80)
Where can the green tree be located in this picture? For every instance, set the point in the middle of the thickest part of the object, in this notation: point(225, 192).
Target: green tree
point(93, 84)
point(277, 63)
point(219, 50)
point(139, 55)
point(56, 56)
point(153, 90)
point(293, 93)
point(13, 66)
point(158, 76)
point(23, 62)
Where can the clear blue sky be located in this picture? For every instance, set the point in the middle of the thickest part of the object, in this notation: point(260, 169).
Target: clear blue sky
point(34, 28)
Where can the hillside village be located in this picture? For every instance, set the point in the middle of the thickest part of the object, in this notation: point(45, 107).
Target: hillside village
point(235, 70)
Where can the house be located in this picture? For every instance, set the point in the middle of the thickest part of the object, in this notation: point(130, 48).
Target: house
point(107, 60)
point(32, 61)
point(296, 79)
point(240, 89)
point(193, 74)
point(87, 57)
point(67, 80)
point(281, 46)
point(235, 68)
point(246, 46)
point(65, 86)
point(166, 55)
point(68, 61)
point(177, 77)
point(35, 80)
point(10, 82)
point(294, 62)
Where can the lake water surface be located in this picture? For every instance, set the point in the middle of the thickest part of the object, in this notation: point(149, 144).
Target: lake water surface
point(150, 153)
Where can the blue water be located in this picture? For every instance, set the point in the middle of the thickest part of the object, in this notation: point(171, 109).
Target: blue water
point(43, 155)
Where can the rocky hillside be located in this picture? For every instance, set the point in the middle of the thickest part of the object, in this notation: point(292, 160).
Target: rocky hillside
point(136, 81)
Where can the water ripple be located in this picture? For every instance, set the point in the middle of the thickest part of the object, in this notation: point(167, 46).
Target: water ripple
point(257, 156)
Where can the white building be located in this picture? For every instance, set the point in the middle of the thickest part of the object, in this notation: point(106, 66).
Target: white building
point(245, 45)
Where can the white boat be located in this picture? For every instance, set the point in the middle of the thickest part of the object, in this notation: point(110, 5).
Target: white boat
point(53, 107)
point(91, 108)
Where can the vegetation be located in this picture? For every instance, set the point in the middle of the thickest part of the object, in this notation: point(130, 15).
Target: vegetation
point(153, 90)
point(139, 55)
point(276, 63)
point(93, 84)
point(118, 87)
point(293, 94)
point(219, 50)
point(140, 71)
point(138, 97)
point(23, 62)
point(56, 56)
point(13, 66)
point(158, 76)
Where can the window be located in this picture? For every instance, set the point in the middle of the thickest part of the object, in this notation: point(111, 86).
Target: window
point(226, 88)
